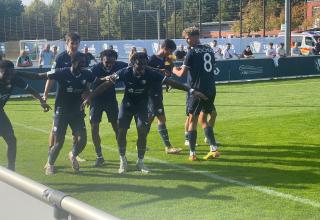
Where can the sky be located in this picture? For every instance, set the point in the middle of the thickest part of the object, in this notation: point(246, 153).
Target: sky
point(28, 2)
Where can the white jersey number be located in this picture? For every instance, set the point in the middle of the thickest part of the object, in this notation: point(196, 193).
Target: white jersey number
point(207, 62)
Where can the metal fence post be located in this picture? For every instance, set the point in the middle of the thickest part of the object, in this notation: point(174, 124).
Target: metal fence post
point(109, 29)
point(60, 214)
point(132, 35)
point(220, 18)
point(174, 19)
point(166, 16)
point(264, 17)
point(240, 19)
point(200, 14)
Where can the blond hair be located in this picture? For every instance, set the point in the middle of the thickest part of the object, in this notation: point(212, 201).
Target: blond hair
point(191, 31)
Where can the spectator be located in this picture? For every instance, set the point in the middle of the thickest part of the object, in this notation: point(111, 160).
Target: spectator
point(216, 49)
point(133, 51)
point(180, 53)
point(24, 60)
point(110, 47)
point(89, 56)
point(55, 52)
point(295, 51)
point(270, 52)
point(229, 53)
point(46, 56)
point(144, 50)
point(247, 53)
point(317, 47)
point(281, 52)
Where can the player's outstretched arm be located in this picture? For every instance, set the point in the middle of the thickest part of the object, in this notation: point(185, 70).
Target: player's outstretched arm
point(31, 75)
point(180, 71)
point(109, 81)
point(177, 85)
point(36, 95)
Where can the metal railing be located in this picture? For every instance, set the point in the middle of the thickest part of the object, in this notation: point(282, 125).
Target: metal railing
point(64, 206)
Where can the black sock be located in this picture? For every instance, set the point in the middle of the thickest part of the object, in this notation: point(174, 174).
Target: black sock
point(163, 131)
point(98, 151)
point(192, 140)
point(186, 135)
point(208, 131)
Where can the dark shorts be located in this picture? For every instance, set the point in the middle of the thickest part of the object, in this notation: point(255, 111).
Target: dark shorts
point(195, 105)
point(75, 121)
point(127, 112)
point(155, 105)
point(111, 109)
point(5, 125)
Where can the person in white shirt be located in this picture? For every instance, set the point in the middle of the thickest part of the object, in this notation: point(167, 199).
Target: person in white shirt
point(281, 52)
point(229, 53)
point(270, 52)
point(216, 49)
point(46, 57)
point(295, 51)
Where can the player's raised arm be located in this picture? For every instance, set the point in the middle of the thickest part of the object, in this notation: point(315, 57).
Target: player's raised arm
point(109, 81)
point(177, 85)
point(31, 75)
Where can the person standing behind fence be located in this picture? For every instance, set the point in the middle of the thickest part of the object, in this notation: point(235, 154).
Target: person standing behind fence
point(316, 49)
point(180, 53)
point(229, 53)
point(281, 52)
point(132, 52)
point(270, 52)
point(89, 56)
point(295, 51)
point(24, 59)
point(55, 52)
point(46, 57)
point(247, 53)
point(216, 49)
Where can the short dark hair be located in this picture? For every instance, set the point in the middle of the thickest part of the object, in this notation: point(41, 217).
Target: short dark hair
point(6, 64)
point(138, 57)
point(191, 31)
point(109, 53)
point(169, 44)
point(75, 57)
point(271, 43)
point(73, 36)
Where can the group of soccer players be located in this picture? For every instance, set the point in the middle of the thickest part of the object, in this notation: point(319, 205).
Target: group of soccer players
point(143, 79)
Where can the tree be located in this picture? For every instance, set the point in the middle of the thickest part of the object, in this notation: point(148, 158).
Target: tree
point(11, 7)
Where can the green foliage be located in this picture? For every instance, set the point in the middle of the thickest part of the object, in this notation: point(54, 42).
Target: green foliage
point(11, 7)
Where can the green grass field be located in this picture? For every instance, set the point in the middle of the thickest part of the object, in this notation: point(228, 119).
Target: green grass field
point(269, 168)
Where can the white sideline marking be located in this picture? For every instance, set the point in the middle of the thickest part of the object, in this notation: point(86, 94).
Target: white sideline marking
point(262, 189)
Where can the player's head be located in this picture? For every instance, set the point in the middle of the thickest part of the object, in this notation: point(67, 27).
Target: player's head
point(168, 46)
point(108, 58)
point(192, 35)
point(281, 45)
point(72, 41)
point(228, 45)
point(47, 47)
point(6, 69)
point(139, 62)
point(78, 60)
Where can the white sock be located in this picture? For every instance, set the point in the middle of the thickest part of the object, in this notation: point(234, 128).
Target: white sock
point(213, 148)
point(192, 153)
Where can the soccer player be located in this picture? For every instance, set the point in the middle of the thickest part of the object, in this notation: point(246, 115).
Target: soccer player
point(105, 102)
point(63, 60)
point(138, 79)
point(9, 80)
point(199, 66)
point(155, 105)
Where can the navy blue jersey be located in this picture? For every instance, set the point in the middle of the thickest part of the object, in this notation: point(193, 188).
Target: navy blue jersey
point(68, 98)
point(159, 63)
point(137, 88)
point(6, 88)
point(63, 60)
point(200, 62)
point(99, 71)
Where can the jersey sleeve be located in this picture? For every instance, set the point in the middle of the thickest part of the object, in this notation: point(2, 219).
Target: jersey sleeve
point(20, 83)
point(187, 60)
point(121, 74)
point(55, 74)
point(90, 77)
point(157, 76)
